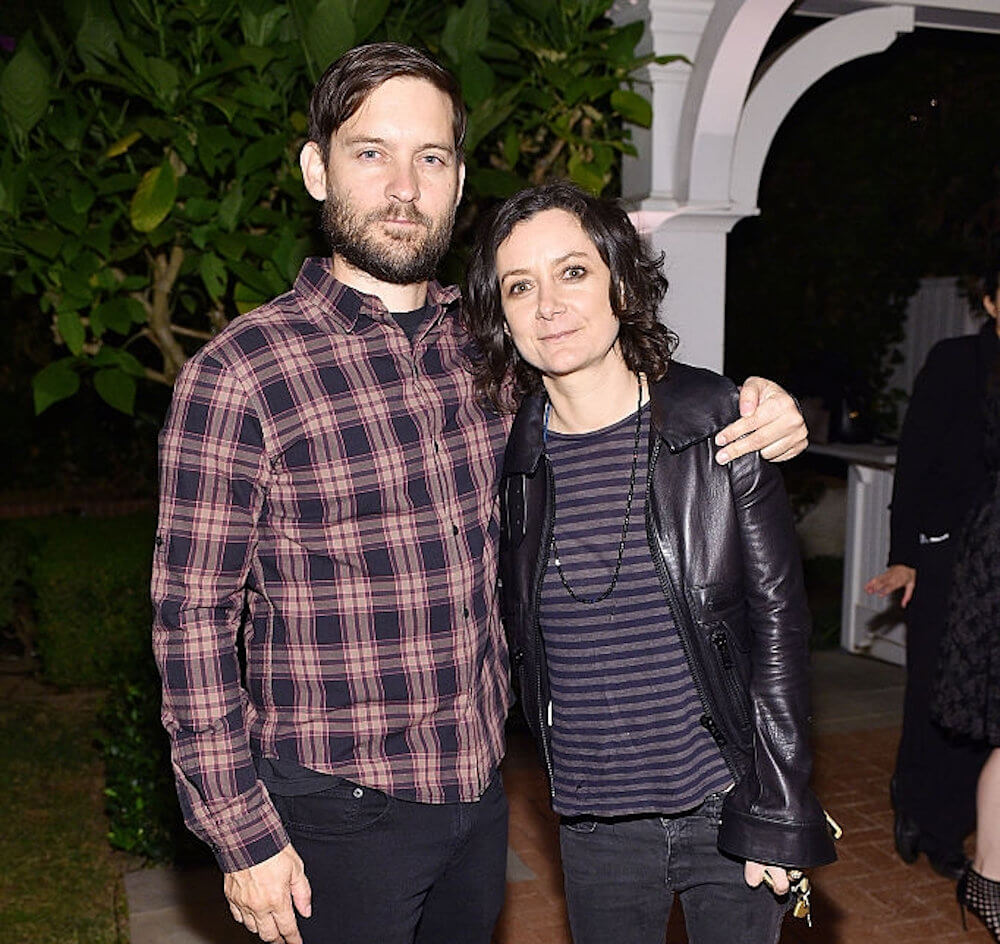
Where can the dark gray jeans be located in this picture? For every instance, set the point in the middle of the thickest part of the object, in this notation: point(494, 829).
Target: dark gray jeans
point(621, 875)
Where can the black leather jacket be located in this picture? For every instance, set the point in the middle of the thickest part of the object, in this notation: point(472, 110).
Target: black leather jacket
point(724, 546)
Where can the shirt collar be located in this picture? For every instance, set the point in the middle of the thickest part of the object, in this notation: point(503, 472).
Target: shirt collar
point(350, 310)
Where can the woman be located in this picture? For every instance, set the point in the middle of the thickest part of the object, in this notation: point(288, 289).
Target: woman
point(653, 598)
point(967, 688)
point(941, 468)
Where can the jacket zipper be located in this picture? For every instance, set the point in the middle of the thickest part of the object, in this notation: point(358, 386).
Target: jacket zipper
point(544, 711)
point(667, 585)
point(721, 643)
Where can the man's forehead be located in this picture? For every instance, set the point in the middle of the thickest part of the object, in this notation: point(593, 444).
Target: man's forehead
point(405, 100)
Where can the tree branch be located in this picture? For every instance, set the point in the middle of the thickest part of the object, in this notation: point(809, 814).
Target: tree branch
point(166, 272)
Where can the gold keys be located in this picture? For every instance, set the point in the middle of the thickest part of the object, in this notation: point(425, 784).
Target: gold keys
point(798, 890)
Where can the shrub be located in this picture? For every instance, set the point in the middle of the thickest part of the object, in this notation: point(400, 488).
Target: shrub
point(16, 618)
point(91, 582)
point(140, 799)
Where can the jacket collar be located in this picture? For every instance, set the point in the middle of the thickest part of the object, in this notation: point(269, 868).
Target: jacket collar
point(686, 408)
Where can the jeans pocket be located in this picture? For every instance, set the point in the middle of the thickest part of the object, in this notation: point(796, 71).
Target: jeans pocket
point(711, 809)
point(582, 825)
point(341, 809)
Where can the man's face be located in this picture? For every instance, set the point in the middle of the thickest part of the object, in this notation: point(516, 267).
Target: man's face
point(392, 183)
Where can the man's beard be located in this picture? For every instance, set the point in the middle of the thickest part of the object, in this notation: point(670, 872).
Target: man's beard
point(399, 261)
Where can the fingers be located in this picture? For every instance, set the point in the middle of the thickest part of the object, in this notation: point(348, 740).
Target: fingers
point(775, 877)
point(302, 895)
point(908, 589)
point(261, 897)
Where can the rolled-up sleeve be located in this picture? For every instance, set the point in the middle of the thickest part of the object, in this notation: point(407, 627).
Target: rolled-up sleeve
point(213, 481)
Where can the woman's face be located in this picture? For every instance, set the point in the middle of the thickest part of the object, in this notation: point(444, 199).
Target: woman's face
point(554, 288)
point(992, 306)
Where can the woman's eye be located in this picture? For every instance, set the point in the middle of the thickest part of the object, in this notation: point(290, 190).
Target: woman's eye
point(575, 272)
point(518, 288)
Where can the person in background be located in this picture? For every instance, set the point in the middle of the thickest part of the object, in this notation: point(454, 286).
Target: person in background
point(328, 491)
point(966, 700)
point(653, 599)
point(940, 469)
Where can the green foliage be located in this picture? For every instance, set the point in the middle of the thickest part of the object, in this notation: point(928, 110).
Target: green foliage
point(90, 578)
point(140, 799)
point(60, 883)
point(149, 186)
point(17, 548)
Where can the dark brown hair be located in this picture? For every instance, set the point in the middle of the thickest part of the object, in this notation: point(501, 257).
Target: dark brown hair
point(638, 285)
point(345, 85)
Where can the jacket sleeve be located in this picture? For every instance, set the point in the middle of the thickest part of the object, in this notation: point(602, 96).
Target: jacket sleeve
point(213, 474)
point(924, 429)
point(771, 815)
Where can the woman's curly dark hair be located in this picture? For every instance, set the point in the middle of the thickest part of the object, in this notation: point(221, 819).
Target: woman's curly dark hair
point(638, 285)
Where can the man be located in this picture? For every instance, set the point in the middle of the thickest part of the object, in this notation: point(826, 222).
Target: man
point(328, 484)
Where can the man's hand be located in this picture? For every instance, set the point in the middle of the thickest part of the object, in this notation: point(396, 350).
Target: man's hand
point(898, 575)
point(770, 421)
point(753, 873)
point(261, 896)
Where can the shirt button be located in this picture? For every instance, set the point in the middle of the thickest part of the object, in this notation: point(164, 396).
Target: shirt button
point(358, 793)
point(454, 529)
point(437, 447)
point(465, 612)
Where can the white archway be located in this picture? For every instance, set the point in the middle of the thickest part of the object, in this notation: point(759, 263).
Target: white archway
point(699, 166)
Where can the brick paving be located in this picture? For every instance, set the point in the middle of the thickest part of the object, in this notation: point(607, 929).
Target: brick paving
point(868, 897)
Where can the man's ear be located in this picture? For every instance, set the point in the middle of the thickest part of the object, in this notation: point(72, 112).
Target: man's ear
point(313, 170)
point(991, 306)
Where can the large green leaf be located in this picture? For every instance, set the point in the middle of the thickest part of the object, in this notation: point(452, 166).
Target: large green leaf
point(118, 314)
point(632, 107)
point(466, 29)
point(154, 198)
point(72, 330)
point(367, 16)
point(329, 33)
point(213, 274)
point(260, 154)
point(116, 388)
point(165, 78)
point(477, 79)
point(53, 383)
point(229, 207)
point(97, 35)
point(25, 87)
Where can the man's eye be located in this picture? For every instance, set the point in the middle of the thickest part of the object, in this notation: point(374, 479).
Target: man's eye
point(432, 159)
point(369, 154)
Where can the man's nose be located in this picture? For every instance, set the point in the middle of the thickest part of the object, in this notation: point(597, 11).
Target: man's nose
point(403, 185)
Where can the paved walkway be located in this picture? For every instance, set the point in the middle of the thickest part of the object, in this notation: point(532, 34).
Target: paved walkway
point(868, 897)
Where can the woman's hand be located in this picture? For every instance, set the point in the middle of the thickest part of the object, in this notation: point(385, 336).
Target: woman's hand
point(896, 577)
point(776, 877)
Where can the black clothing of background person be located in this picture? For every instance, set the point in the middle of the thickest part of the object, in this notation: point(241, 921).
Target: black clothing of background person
point(940, 470)
point(967, 689)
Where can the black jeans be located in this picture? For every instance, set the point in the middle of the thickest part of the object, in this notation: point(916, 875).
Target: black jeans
point(387, 871)
point(621, 875)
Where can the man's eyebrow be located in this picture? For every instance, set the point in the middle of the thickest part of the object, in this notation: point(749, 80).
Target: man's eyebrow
point(557, 261)
point(369, 139)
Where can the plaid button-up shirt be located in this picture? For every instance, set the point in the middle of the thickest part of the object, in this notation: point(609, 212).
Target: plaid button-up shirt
point(330, 487)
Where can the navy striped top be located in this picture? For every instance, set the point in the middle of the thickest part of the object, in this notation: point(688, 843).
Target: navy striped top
point(625, 732)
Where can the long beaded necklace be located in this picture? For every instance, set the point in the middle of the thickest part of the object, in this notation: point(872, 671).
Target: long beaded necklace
point(553, 547)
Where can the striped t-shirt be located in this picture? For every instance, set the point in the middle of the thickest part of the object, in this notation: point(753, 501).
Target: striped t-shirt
point(626, 736)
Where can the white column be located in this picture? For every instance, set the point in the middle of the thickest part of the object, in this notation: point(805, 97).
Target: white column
point(695, 247)
point(673, 27)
